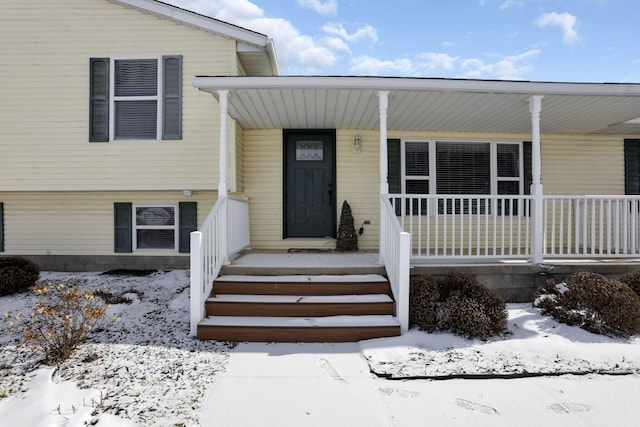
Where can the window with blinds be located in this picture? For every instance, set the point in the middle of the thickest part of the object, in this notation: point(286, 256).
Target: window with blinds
point(155, 227)
point(461, 168)
point(135, 98)
point(136, 85)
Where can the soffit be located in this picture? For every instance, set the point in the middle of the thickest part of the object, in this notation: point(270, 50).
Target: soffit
point(326, 106)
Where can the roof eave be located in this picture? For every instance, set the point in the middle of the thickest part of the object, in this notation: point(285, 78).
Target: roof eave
point(209, 84)
point(197, 20)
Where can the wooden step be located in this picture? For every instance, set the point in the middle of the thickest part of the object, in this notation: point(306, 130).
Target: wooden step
point(298, 305)
point(298, 329)
point(301, 285)
point(299, 308)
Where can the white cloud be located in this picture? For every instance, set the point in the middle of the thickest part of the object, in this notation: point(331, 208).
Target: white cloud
point(566, 21)
point(368, 66)
point(506, 68)
point(336, 43)
point(297, 53)
point(447, 44)
point(366, 32)
point(325, 8)
point(431, 61)
point(507, 4)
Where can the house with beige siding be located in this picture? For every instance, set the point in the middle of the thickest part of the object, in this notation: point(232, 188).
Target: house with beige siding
point(162, 138)
point(108, 155)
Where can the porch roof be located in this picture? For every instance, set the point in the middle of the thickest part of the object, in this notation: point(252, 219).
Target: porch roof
point(344, 102)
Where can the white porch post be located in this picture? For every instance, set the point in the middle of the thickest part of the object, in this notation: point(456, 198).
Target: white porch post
point(537, 227)
point(223, 96)
point(383, 104)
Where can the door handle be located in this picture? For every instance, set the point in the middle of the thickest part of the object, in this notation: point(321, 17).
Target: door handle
point(330, 194)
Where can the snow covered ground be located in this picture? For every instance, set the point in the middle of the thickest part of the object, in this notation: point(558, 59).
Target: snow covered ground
point(146, 370)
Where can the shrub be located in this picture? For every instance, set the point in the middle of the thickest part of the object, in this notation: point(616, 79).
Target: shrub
point(17, 274)
point(592, 302)
point(470, 309)
point(63, 316)
point(633, 281)
point(423, 303)
point(458, 304)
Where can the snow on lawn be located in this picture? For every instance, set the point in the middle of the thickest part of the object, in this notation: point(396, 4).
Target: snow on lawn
point(535, 345)
point(147, 370)
point(145, 367)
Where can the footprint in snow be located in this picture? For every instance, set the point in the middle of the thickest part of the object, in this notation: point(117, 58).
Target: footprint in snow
point(326, 366)
point(472, 406)
point(388, 391)
point(568, 408)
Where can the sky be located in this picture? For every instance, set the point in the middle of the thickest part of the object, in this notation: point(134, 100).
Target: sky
point(537, 40)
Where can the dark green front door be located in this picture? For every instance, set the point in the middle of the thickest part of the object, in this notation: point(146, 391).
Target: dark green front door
point(309, 183)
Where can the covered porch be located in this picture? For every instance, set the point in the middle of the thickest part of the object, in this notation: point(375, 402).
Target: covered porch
point(525, 227)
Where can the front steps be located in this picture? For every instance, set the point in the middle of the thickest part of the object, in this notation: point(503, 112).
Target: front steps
point(299, 308)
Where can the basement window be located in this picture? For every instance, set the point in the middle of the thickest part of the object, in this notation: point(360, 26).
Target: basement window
point(155, 227)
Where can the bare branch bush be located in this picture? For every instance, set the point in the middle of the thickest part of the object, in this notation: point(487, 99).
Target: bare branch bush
point(63, 316)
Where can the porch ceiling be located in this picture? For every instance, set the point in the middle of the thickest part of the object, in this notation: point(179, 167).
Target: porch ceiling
point(427, 104)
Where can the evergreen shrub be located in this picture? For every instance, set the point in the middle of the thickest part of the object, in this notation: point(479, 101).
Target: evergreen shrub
point(458, 304)
point(592, 302)
point(17, 274)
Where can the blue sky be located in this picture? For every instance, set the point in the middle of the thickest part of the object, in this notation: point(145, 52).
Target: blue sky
point(540, 40)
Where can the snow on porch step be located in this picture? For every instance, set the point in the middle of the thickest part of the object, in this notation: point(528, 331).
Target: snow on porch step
point(299, 305)
point(323, 278)
point(298, 329)
point(299, 299)
point(301, 285)
point(304, 322)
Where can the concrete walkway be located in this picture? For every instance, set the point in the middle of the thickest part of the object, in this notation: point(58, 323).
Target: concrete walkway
point(329, 385)
point(295, 385)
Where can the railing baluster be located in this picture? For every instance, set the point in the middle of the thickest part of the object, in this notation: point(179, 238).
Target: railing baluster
point(455, 226)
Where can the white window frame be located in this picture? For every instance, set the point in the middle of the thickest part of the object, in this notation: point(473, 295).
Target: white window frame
point(113, 98)
point(493, 166)
point(175, 227)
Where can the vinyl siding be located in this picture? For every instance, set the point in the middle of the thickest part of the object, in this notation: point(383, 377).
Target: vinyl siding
point(582, 164)
point(570, 165)
point(78, 223)
point(44, 81)
point(359, 183)
point(263, 186)
point(237, 179)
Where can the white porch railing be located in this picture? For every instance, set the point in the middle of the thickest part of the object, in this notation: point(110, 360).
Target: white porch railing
point(593, 226)
point(395, 253)
point(465, 226)
point(224, 233)
point(238, 220)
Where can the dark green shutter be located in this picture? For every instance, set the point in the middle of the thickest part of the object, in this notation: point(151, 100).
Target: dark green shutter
point(123, 227)
point(393, 166)
point(1, 227)
point(172, 98)
point(528, 173)
point(393, 170)
point(632, 166)
point(188, 223)
point(99, 100)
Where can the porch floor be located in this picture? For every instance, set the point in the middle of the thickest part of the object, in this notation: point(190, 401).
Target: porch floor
point(274, 262)
point(363, 259)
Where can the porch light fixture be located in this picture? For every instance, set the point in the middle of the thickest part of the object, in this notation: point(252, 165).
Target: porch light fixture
point(187, 193)
point(357, 141)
